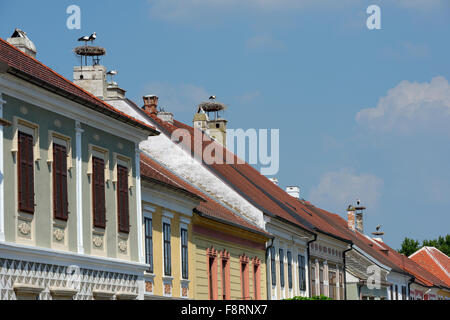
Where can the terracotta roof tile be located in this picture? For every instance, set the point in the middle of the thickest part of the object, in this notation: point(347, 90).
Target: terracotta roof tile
point(435, 261)
point(23, 63)
point(152, 169)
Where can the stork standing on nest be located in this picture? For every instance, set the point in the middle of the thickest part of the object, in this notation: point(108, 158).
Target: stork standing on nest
point(85, 39)
point(92, 37)
point(212, 98)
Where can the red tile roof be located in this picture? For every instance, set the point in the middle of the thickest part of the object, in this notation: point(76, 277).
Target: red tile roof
point(254, 187)
point(22, 65)
point(435, 261)
point(209, 207)
point(422, 275)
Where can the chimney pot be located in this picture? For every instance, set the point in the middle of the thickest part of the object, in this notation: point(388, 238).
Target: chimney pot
point(274, 180)
point(293, 191)
point(150, 104)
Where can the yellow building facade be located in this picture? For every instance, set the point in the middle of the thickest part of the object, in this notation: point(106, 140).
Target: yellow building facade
point(229, 261)
point(168, 246)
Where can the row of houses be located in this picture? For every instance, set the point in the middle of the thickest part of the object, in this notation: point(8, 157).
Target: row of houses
point(103, 199)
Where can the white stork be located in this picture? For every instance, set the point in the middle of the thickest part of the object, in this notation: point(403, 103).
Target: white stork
point(84, 38)
point(92, 37)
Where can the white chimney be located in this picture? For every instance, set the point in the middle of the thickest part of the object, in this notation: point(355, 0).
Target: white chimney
point(293, 191)
point(166, 116)
point(274, 180)
point(20, 40)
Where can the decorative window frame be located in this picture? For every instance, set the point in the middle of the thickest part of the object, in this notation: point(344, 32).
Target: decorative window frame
point(28, 127)
point(256, 262)
point(148, 212)
point(184, 225)
point(245, 283)
point(166, 218)
point(225, 256)
point(119, 159)
point(98, 152)
point(58, 138)
point(212, 253)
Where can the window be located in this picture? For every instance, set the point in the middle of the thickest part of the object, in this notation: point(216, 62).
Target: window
point(98, 192)
point(245, 285)
point(332, 284)
point(322, 289)
point(272, 266)
point(301, 273)
point(341, 285)
point(25, 172)
point(225, 275)
point(211, 255)
point(281, 267)
point(404, 293)
point(60, 203)
point(256, 279)
point(167, 254)
point(313, 281)
point(289, 261)
point(122, 199)
point(184, 254)
point(148, 243)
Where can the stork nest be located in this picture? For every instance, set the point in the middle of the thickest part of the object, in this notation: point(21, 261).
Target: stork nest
point(90, 51)
point(212, 106)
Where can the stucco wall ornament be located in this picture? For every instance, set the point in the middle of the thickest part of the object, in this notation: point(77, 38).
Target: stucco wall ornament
point(24, 228)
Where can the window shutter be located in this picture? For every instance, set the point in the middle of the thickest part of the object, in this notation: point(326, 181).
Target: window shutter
point(122, 197)
point(56, 182)
point(98, 192)
point(26, 173)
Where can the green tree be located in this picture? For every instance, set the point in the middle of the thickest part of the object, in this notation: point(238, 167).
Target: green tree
point(442, 243)
point(409, 246)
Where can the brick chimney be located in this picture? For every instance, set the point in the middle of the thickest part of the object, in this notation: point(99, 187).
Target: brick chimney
point(293, 191)
point(351, 217)
point(150, 104)
point(355, 217)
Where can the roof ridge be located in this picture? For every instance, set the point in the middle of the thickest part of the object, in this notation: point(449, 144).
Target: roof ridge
point(73, 84)
point(436, 261)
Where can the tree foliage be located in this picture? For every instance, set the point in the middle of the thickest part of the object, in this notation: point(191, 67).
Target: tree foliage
point(409, 246)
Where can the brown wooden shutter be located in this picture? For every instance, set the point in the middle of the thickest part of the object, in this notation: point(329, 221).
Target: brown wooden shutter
point(60, 203)
point(122, 199)
point(98, 192)
point(26, 173)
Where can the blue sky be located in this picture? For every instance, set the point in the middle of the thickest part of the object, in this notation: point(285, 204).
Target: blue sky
point(362, 113)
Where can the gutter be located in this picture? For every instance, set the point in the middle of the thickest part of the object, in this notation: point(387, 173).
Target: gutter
point(269, 283)
point(345, 271)
point(309, 264)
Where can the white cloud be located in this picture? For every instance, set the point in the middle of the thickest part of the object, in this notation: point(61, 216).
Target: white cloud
point(178, 98)
point(338, 189)
point(409, 106)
